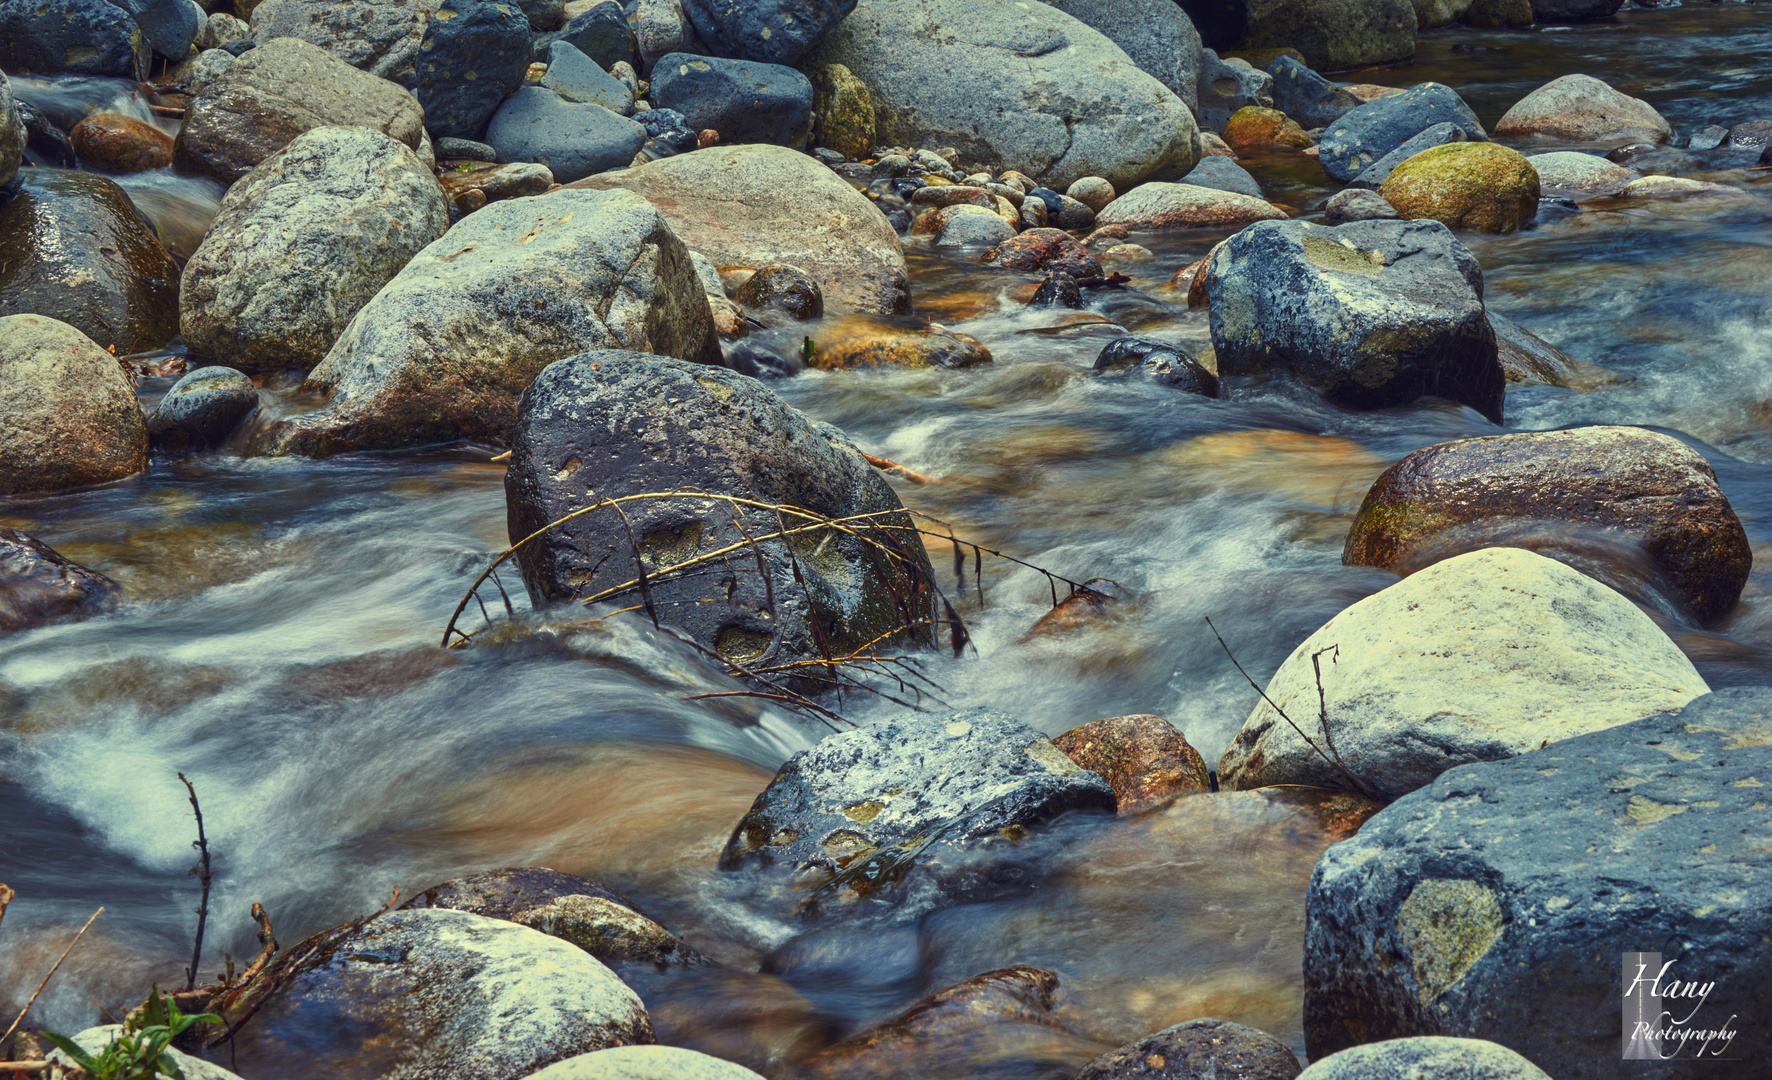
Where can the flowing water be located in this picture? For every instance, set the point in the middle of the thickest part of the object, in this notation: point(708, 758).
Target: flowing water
point(280, 643)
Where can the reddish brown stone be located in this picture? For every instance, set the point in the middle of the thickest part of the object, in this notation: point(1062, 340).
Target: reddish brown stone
point(1096, 601)
point(779, 287)
point(1142, 757)
point(1041, 250)
point(1203, 1049)
point(1253, 126)
point(1599, 498)
point(121, 144)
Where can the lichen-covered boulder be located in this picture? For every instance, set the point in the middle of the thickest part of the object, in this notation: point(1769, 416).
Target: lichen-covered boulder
point(73, 247)
point(1371, 313)
point(884, 800)
point(278, 90)
point(744, 100)
point(843, 109)
point(1483, 656)
point(474, 52)
point(1143, 758)
point(1197, 1050)
point(1335, 35)
point(1581, 108)
point(434, 993)
point(1256, 125)
point(1445, 913)
point(1013, 85)
point(1425, 1055)
point(1480, 186)
point(1361, 136)
point(75, 37)
point(444, 350)
point(38, 586)
point(378, 36)
point(202, 409)
point(1628, 505)
point(68, 414)
point(302, 242)
point(617, 423)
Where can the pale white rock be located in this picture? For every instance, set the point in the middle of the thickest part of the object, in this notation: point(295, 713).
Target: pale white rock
point(1581, 108)
point(1481, 657)
point(1425, 1056)
point(94, 1040)
point(1678, 187)
point(1580, 174)
point(1156, 207)
point(645, 1063)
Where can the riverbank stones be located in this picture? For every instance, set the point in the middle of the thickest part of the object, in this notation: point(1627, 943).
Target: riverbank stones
point(1480, 187)
point(473, 54)
point(538, 126)
point(1195, 1050)
point(202, 409)
point(84, 37)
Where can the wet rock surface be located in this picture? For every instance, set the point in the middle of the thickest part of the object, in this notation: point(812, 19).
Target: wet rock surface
point(121, 144)
point(202, 409)
point(90, 37)
point(38, 586)
point(1203, 1049)
point(1142, 757)
point(744, 100)
point(1472, 887)
point(1481, 187)
point(598, 920)
point(1583, 495)
point(1362, 136)
point(1166, 365)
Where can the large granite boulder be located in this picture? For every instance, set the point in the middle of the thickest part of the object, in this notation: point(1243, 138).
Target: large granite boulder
point(754, 205)
point(302, 242)
point(74, 248)
point(68, 414)
point(765, 31)
point(1496, 903)
point(610, 423)
point(474, 53)
point(38, 586)
point(435, 993)
point(1156, 34)
point(1425, 1056)
point(443, 351)
point(1371, 313)
point(1014, 85)
point(744, 100)
point(378, 36)
point(865, 808)
point(74, 37)
point(278, 90)
point(1581, 108)
point(1481, 657)
point(1335, 35)
point(1632, 507)
point(1202, 1049)
point(1361, 136)
point(573, 139)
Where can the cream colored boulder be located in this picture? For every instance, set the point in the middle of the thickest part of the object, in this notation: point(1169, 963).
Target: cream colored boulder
point(1581, 108)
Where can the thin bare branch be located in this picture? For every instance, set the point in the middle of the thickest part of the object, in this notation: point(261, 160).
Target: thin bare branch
point(20, 1018)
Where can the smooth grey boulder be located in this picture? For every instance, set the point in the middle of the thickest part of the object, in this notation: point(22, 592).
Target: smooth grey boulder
point(39, 586)
point(1357, 204)
point(1307, 97)
point(12, 133)
point(1013, 84)
point(378, 36)
point(1157, 35)
point(1224, 174)
point(645, 1063)
point(1228, 85)
point(765, 31)
point(202, 409)
point(437, 993)
point(473, 54)
point(1582, 175)
point(1363, 135)
point(68, 414)
point(611, 423)
point(200, 72)
point(1202, 1049)
point(170, 26)
point(444, 350)
point(302, 242)
point(1447, 911)
point(1372, 313)
point(746, 101)
point(1373, 176)
point(220, 29)
point(574, 141)
point(90, 37)
point(1334, 35)
point(915, 787)
point(273, 93)
point(577, 78)
point(1424, 1056)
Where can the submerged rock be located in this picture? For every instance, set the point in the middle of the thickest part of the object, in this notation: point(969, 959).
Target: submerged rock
point(1483, 187)
point(1444, 914)
point(38, 586)
point(867, 345)
point(1581, 108)
point(1198, 1050)
point(302, 242)
point(1371, 313)
point(202, 409)
point(1143, 758)
point(1045, 250)
point(1528, 358)
point(777, 287)
point(1483, 656)
point(1622, 503)
point(443, 351)
point(1167, 365)
point(1425, 1055)
point(1362, 136)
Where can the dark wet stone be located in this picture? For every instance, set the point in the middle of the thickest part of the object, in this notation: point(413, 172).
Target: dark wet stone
point(777, 287)
point(574, 141)
point(1143, 758)
point(1553, 208)
point(1580, 495)
point(1442, 916)
point(74, 248)
point(1203, 1049)
point(37, 586)
point(602, 33)
point(1573, 10)
point(44, 140)
point(1223, 174)
point(464, 150)
point(474, 53)
point(770, 31)
point(1169, 365)
point(169, 25)
point(746, 101)
point(84, 37)
point(1058, 290)
point(202, 409)
point(1096, 601)
point(114, 143)
point(240, 47)
point(667, 128)
point(1528, 358)
point(1373, 176)
point(1307, 97)
point(1227, 85)
point(1364, 135)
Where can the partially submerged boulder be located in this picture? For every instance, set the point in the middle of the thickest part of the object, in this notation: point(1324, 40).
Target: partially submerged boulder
point(1581, 108)
point(116, 143)
point(1362, 136)
point(1481, 657)
point(68, 414)
point(1628, 505)
point(202, 409)
point(1335, 35)
point(1142, 757)
point(38, 586)
point(1583, 176)
point(1160, 207)
point(598, 920)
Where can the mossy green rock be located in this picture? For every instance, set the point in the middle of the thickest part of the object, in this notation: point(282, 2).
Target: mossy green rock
point(845, 110)
point(1495, 14)
point(1483, 187)
point(1334, 35)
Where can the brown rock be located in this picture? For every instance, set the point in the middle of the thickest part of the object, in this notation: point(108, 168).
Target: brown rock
point(1096, 600)
point(1623, 504)
point(38, 586)
point(1156, 207)
point(1203, 1049)
point(496, 182)
point(953, 195)
point(864, 343)
point(778, 287)
point(68, 414)
point(121, 144)
point(1581, 108)
point(1106, 237)
point(1042, 250)
point(1335, 814)
point(1143, 758)
point(1253, 125)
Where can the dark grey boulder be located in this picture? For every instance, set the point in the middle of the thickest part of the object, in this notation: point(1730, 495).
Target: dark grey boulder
point(1372, 177)
point(1573, 10)
point(1223, 174)
point(574, 141)
point(1372, 314)
point(544, 14)
point(577, 78)
point(618, 423)
point(883, 799)
point(465, 150)
point(169, 25)
point(474, 53)
point(45, 143)
point(1495, 903)
point(1357, 204)
point(1163, 364)
point(1202, 1049)
point(767, 31)
point(202, 409)
point(82, 37)
point(1307, 97)
point(38, 586)
point(602, 33)
point(667, 132)
point(1228, 85)
point(1425, 1056)
point(746, 101)
point(1362, 136)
